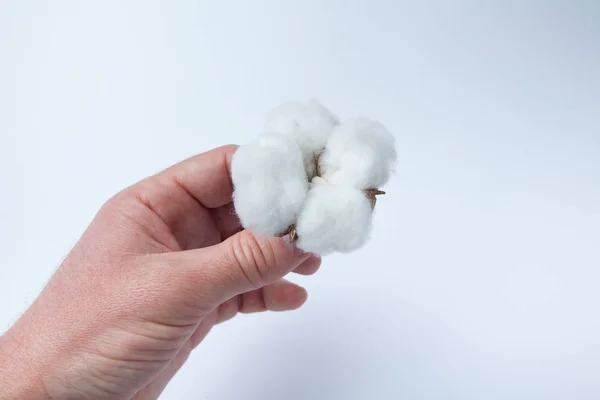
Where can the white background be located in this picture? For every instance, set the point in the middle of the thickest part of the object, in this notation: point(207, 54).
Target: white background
point(481, 280)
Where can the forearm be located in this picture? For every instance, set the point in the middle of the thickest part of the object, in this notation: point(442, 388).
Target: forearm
point(20, 377)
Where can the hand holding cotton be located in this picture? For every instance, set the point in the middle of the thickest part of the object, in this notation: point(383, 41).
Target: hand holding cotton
point(312, 177)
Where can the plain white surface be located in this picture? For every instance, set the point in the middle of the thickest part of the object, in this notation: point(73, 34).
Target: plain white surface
point(481, 281)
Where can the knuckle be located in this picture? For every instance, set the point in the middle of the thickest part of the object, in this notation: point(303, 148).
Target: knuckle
point(117, 202)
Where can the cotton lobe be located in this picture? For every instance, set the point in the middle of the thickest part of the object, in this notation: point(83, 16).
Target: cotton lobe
point(307, 124)
point(359, 153)
point(270, 184)
point(334, 219)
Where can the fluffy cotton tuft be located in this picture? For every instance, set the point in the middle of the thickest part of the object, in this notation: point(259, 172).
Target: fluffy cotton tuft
point(334, 219)
point(270, 184)
point(359, 153)
point(307, 124)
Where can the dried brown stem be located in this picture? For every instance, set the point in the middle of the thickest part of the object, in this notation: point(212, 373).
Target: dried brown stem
point(372, 194)
point(317, 167)
point(292, 232)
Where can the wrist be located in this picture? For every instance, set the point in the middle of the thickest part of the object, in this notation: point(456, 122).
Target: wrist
point(19, 376)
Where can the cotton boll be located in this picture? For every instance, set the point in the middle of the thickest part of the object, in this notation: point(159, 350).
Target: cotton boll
point(270, 184)
point(360, 153)
point(307, 124)
point(333, 219)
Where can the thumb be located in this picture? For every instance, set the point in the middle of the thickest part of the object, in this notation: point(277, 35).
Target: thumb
point(241, 263)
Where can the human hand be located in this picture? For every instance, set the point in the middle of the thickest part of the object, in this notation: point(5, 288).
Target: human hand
point(162, 262)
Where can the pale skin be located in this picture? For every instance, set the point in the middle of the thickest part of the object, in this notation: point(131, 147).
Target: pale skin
point(162, 263)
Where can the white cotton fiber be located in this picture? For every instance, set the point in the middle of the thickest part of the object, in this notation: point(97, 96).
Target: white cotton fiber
point(333, 219)
point(307, 124)
point(270, 184)
point(359, 153)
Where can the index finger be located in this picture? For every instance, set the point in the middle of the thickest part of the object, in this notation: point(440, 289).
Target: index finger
point(206, 176)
